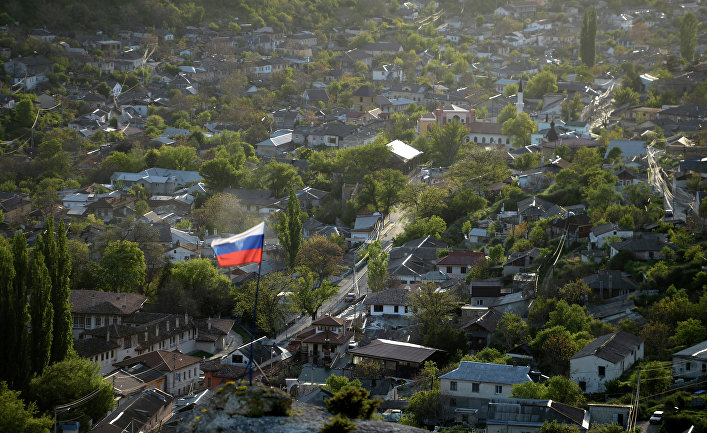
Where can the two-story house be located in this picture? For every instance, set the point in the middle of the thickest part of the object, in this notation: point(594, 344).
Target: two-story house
point(604, 359)
point(389, 302)
point(363, 98)
point(603, 232)
point(459, 263)
point(94, 309)
point(396, 358)
point(473, 384)
point(181, 371)
point(327, 338)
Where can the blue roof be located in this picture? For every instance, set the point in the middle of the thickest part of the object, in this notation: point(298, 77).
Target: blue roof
point(489, 373)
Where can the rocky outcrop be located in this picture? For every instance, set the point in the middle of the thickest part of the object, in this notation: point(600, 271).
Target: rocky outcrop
point(257, 409)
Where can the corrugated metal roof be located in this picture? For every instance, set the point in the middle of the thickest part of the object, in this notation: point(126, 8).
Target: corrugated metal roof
point(493, 373)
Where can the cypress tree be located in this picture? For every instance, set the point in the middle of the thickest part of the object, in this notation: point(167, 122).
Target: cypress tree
point(7, 313)
point(17, 335)
point(588, 36)
point(63, 340)
point(289, 229)
point(41, 311)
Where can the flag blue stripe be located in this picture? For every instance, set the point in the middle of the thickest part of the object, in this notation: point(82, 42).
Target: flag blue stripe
point(247, 243)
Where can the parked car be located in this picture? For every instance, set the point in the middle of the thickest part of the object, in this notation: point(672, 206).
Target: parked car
point(350, 297)
point(657, 417)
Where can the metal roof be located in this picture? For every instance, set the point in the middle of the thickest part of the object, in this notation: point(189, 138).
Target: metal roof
point(489, 373)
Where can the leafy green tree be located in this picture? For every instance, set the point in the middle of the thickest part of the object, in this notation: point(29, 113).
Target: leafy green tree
point(433, 226)
point(540, 84)
point(527, 161)
point(122, 267)
point(511, 331)
point(588, 35)
point(564, 390)
point(272, 311)
point(626, 96)
point(278, 176)
point(688, 36)
point(25, 112)
point(508, 112)
point(572, 107)
point(289, 229)
point(69, 380)
point(353, 402)
point(432, 308)
point(16, 416)
point(556, 427)
point(382, 189)
point(575, 292)
point(15, 311)
point(41, 311)
point(519, 128)
point(219, 174)
point(222, 212)
point(444, 143)
point(336, 383)
point(655, 378)
point(103, 89)
point(312, 293)
point(178, 158)
point(205, 286)
point(320, 255)
point(141, 208)
point(377, 266)
point(510, 90)
point(530, 390)
point(497, 254)
point(489, 355)
point(689, 332)
point(553, 348)
point(571, 317)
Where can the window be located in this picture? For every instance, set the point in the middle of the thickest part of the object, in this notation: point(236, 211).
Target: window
point(237, 359)
point(208, 382)
point(449, 269)
point(479, 302)
point(688, 366)
point(583, 385)
point(406, 310)
point(704, 367)
point(452, 401)
point(128, 343)
point(395, 309)
point(177, 377)
point(361, 99)
point(378, 308)
point(465, 418)
point(499, 389)
point(78, 321)
point(602, 371)
point(452, 386)
point(474, 387)
point(463, 269)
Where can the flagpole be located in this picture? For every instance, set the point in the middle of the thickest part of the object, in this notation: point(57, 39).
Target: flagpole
point(252, 326)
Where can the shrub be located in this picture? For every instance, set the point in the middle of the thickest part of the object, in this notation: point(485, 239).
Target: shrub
point(338, 424)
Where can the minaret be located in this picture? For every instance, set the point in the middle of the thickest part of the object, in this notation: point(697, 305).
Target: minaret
point(519, 101)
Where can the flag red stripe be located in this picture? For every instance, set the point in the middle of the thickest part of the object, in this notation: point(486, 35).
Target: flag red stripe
point(240, 257)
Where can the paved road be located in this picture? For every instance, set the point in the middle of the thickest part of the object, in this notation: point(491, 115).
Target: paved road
point(647, 427)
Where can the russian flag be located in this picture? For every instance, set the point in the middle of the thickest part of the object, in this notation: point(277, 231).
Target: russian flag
point(246, 247)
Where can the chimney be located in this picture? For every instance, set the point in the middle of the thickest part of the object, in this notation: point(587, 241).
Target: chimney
point(157, 330)
point(208, 323)
point(108, 334)
point(146, 336)
point(167, 325)
point(125, 299)
point(93, 299)
point(186, 319)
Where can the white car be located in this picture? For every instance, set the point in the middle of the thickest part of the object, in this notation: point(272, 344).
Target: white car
point(657, 417)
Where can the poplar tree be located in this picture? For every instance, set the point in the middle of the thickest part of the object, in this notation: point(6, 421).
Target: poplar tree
point(7, 314)
point(289, 229)
point(17, 335)
point(63, 340)
point(41, 311)
point(688, 36)
point(588, 37)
